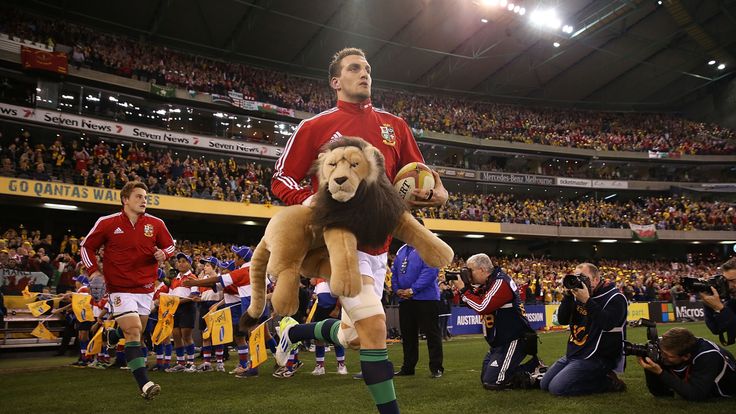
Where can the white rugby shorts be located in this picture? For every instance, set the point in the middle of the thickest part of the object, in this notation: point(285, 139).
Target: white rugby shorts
point(124, 303)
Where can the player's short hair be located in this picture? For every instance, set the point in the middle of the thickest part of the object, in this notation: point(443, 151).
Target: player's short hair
point(678, 341)
point(729, 265)
point(129, 187)
point(336, 63)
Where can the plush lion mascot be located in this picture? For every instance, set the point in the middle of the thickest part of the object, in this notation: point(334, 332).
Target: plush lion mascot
point(355, 204)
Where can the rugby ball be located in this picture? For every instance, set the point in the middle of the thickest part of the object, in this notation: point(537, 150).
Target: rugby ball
point(411, 176)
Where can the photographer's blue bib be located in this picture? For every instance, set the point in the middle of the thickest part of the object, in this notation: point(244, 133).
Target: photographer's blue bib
point(588, 339)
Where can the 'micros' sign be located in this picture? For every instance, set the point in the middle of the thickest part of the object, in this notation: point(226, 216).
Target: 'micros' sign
point(689, 310)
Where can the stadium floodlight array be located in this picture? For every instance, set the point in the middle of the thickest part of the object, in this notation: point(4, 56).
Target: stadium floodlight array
point(539, 17)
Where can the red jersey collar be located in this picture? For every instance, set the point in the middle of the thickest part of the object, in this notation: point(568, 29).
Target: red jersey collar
point(355, 108)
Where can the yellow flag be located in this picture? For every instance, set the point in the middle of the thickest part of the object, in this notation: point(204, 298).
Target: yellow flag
point(42, 332)
point(38, 308)
point(208, 330)
point(167, 305)
point(164, 328)
point(82, 306)
point(222, 327)
point(311, 311)
point(95, 344)
point(257, 346)
point(109, 324)
point(28, 294)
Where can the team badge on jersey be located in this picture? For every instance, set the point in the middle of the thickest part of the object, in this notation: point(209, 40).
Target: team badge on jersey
point(117, 301)
point(388, 135)
point(148, 230)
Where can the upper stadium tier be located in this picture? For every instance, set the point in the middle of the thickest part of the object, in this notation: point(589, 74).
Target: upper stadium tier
point(91, 169)
point(430, 116)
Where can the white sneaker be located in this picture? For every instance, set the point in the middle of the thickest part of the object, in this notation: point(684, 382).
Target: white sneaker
point(205, 367)
point(150, 390)
point(220, 367)
point(319, 370)
point(285, 346)
point(190, 367)
point(238, 370)
point(283, 372)
point(176, 368)
point(342, 369)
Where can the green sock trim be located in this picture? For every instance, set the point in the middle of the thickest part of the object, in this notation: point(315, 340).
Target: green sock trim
point(318, 331)
point(136, 363)
point(373, 355)
point(383, 392)
point(333, 333)
point(132, 344)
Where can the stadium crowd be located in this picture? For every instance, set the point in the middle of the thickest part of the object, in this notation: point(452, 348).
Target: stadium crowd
point(667, 213)
point(569, 128)
point(540, 279)
point(94, 162)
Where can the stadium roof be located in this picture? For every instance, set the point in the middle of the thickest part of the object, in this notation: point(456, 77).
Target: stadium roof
point(618, 54)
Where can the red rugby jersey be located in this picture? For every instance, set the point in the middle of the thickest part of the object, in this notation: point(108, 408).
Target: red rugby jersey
point(387, 132)
point(129, 265)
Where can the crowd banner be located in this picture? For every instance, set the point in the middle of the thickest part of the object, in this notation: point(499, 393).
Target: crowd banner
point(645, 232)
point(140, 133)
point(14, 281)
point(163, 91)
point(248, 103)
point(662, 312)
point(32, 58)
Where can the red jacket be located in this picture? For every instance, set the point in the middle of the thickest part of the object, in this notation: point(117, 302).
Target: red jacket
point(129, 265)
point(385, 131)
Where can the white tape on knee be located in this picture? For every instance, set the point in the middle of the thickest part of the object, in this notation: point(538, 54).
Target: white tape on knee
point(363, 306)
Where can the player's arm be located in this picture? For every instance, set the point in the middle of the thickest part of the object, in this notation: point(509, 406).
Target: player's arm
point(95, 239)
point(209, 281)
point(498, 295)
point(409, 152)
point(293, 165)
point(164, 243)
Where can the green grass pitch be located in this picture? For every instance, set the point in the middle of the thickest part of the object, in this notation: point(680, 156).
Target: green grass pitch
point(46, 385)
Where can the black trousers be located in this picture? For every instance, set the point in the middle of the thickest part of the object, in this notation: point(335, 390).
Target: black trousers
point(413, 315)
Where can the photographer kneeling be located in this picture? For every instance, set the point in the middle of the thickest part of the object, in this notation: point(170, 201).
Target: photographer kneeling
point(492, 293)
point(692, 367)
point(596, 312)
point(720, 309)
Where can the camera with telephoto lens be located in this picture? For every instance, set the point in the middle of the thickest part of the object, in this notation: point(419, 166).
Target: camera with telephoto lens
point(574, 281)
point(698, 285)
point(462, 274)
point(650, 349)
